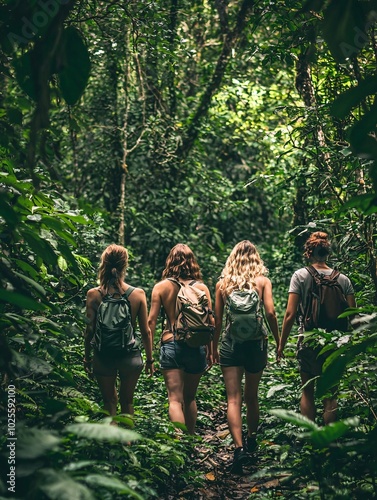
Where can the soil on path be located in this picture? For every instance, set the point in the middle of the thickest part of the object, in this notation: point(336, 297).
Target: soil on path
point(213, 459)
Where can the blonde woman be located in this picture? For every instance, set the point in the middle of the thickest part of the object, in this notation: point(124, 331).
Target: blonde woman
point(244, 270)
point(127, 363)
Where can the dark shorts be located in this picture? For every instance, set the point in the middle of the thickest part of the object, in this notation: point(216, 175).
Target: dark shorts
point(309, 360)
point(109, 366)
point(179, 355)
point(252, 354)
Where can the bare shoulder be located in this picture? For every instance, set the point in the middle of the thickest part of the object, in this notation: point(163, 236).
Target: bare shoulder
point(201, 286)
point(138, 291)
point(163, 286)
point(93, 296)
point(263, 281)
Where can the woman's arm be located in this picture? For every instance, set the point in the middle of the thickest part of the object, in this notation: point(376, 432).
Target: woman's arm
point(351, 300)
point(269, 308)
point(146, 335)
point(289, 319)
point(219, 312)
point(154, 310)
point(93, 299)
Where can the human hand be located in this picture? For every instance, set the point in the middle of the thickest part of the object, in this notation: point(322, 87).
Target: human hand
point(216, 357)
point(149, 367)
point(279, 354)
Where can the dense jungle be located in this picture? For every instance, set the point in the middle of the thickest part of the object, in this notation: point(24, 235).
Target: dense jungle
point(149, 123)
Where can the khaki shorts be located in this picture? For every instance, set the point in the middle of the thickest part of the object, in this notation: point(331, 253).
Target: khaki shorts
point(309, 359)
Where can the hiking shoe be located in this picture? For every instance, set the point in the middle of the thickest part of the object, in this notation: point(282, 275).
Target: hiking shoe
point(251, 444)
point(239, 458)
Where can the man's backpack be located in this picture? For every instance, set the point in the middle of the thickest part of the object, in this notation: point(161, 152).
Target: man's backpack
point(193, 319)
point(114, 331)
point(244, 319)
point(326, 301)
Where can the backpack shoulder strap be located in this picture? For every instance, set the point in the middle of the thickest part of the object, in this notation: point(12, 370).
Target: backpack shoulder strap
point(335, 274)
point(312, 271)
point(177, 282)
point(128, 292)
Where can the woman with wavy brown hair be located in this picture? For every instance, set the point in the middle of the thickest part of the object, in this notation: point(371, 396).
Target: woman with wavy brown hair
point(182, 366)
point(127, 363)
point(244, 270)
point(317, 251)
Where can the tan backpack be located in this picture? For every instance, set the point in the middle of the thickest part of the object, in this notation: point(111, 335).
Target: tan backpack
point(193, 323)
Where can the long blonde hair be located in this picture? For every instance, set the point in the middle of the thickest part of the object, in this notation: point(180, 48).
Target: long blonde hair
point(241, 268)
point(113, 265)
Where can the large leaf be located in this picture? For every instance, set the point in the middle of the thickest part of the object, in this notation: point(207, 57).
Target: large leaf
point(33, 443)
point(294, 418)
point(103, 432)
point(111, 483)
point(7, 212)
point(344, 28)
point(21, 301)
point(39, 288)
point(40, 246)
point(75, 62)
point(24, 74)
point(58, 485)
point(363, 144)
point(365, 204)
point(335, 366)
point(321, 438)
point(353, 97)
point(30, 364)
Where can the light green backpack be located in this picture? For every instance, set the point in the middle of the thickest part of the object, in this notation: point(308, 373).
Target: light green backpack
point(244, 320)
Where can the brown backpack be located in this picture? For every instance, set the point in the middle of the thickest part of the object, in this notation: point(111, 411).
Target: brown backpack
point(193, 323)
point(325, 302)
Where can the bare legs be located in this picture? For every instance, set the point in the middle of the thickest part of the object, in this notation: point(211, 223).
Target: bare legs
point(307, 403)
point(109, 393)
point(182, 389)
point(251, 399)
point(128, 381)
point(233, 379)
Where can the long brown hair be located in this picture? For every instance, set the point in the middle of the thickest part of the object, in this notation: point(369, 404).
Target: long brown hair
point(317, 246)
point(181, 263)
point(241, 268)
point(113, 265)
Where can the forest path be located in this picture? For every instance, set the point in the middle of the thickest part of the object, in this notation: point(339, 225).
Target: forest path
point(213, 459)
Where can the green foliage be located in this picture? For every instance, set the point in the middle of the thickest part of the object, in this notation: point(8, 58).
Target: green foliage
point(201, 116)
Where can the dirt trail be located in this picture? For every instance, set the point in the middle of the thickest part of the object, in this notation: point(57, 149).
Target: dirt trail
point(213, 459)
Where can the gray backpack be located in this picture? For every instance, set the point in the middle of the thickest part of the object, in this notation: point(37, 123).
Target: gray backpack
point(114, 333)
point(244, 320)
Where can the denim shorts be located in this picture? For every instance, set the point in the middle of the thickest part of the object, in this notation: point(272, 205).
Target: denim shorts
point(252, 354)
point(179, 355)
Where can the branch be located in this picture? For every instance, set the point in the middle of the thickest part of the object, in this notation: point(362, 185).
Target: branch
point(231, 38)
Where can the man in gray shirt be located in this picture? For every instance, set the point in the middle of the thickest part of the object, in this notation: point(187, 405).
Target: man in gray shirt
point(317, 250)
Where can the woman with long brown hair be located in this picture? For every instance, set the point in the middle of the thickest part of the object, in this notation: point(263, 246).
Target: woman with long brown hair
point(126, 362)
point(182, 366)
point(244, 271)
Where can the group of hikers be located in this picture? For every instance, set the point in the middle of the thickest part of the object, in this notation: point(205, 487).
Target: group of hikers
point(243, 281)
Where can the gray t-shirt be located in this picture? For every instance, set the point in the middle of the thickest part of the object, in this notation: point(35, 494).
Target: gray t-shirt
point(301, 283)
